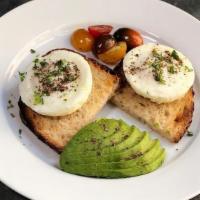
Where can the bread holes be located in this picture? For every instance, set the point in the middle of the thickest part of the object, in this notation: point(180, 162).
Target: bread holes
point(62, 137)
point(135, 106)
point(167, 113)
point(142, 104)
point(179, 116)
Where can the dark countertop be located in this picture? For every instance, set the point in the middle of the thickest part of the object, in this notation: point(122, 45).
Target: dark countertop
point(190, 6)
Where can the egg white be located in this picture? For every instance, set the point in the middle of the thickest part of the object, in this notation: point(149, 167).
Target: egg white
point(54, 105)
point(143, 82)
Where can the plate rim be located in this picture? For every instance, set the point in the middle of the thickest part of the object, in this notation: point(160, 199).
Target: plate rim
point(16, 10)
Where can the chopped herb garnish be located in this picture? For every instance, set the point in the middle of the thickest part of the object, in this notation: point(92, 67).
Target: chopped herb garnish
point(65, 99)
point(171, 69)
point(158, 72)
point(20, 133)
point(189, 134)
point(162, 62)
point(187, 69)
point(10, 105)
point(36, 60)
point(54, 76)
point(49, 80)
point(157, 67)
point(36, 73)
point(43, 63)
point(22, 75)
point(158, 75)
point(12, 115)
point(38, 99)
point(175, 55)
point(55, 73)
point(60, 63)
point(32, 51)
point(71, 78)
point(157, 55)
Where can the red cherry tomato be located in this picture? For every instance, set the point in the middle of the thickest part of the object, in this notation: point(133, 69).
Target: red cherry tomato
point(98, 30)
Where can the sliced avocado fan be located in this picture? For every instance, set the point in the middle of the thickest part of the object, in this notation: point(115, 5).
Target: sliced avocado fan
point(110, 148)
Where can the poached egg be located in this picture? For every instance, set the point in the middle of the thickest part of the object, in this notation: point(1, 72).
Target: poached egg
point(57, 84)
point(158, 72)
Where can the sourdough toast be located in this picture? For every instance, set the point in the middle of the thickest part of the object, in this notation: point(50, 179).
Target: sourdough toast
point(57, 131)
point(171, 120)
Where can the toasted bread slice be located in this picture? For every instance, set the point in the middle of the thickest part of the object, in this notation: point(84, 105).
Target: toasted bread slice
point(57, 131)
point(171, 120)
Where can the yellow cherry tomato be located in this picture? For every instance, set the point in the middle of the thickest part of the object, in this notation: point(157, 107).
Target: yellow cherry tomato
point(82, 40)
point(115, 54)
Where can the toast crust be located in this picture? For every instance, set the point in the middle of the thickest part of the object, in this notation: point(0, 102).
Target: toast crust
point(57, 131)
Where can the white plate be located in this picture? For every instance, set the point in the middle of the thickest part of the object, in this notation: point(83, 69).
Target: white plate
point(29, 166)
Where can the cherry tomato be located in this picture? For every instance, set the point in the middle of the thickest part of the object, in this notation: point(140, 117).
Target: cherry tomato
point(82, 40)
point(98, 30)
point(103, 43)
point(114, 54)
point(130, 36)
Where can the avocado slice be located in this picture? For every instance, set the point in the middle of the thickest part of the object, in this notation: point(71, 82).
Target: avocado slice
point(97, 130)
point(138, 148)
point(93, 141)
point(135, 170)
point(124, 162)
point(119, 132)
point(133, 137)
point(121, 152)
